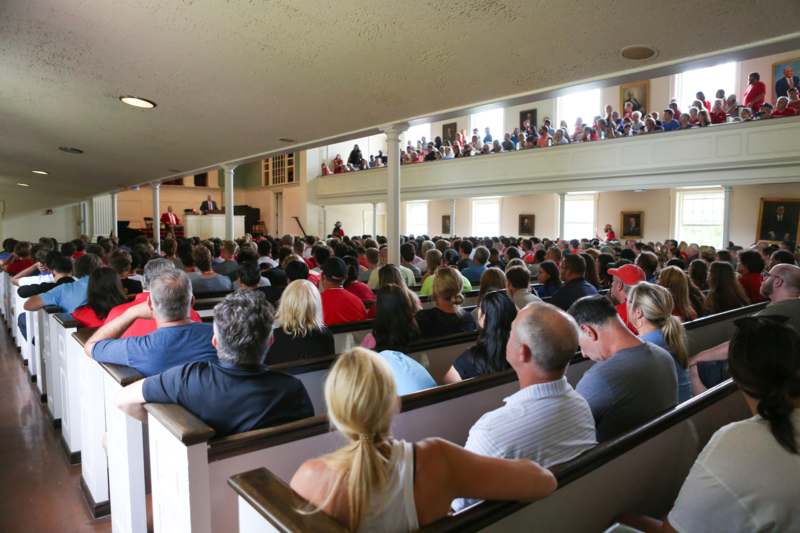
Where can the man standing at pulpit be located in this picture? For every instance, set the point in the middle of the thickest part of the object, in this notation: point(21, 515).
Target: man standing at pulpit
point(208, 205)
point(170, 219)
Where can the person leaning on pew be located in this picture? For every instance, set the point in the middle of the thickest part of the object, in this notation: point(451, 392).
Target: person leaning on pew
point(747, 478)
point(235, 392)
point(377, 483)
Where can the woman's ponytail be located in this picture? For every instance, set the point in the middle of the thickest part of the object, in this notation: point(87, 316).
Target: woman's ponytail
point(675, 335)
point(777, 409)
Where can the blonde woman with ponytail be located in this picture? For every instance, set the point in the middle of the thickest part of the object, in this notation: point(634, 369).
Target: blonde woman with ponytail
point(446, 317)
point(650, 312)
point(377, 483)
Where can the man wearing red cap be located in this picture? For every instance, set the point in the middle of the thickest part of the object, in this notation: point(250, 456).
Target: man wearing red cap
point(625, 278)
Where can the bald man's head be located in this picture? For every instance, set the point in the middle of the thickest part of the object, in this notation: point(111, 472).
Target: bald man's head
point(547, 334)
point(783, 283)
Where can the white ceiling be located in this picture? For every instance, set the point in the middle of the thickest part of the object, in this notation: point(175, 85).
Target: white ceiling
point(232, 77)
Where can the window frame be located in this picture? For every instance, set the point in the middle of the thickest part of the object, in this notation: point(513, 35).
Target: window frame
point(590, 197)
point(496, 201)
point(416, 204)
point(680, 198)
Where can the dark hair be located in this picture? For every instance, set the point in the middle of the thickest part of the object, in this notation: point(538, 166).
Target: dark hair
point(450, 257)
point(752, 261)
point(764, 360)
point(296, 270)
point(782, 256)
point(628, 254)
point(465, 247)
point(499, 312)
point(264, 248)
point(552, 270)
point(9, 244)
point(675, 262)
point(352, 269)
point(390, 275)
point(575, 264)
point(86, 264)
point(698, 273)
point(394, 326)
point(604, 262)
point(519, 277)
point(591, 270)
point(724, 291)
point(120, 261)
point(104, 291)
point(647, 261)
point(61, 264)
point(407, 251)
point(249, 274)
point(321, 254)
point(202, 258)
point(595, 310)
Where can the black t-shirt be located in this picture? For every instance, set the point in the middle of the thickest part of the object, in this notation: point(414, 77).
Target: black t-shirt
point(436, 323)
point(286, 348)
point(473, 362)
point(273, 293)
point(229, 398)
point(26, 291)
point(131, 286)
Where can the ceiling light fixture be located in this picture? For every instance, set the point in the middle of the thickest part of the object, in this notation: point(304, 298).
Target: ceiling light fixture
point(638, 52)
point(70, 150)
point(42, 172)
point(23, 184)
point(135, 101)
point(287, 140)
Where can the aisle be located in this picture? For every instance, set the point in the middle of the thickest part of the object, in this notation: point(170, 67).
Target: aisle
point(39, 491)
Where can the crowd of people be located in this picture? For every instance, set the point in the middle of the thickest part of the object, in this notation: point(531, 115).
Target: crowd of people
point(623, 304)
point(611, 123)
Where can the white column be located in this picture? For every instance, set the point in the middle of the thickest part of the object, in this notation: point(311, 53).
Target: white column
point(726, 216)
point(452, 217)
point(228, 201)
point(393, 193)
point(374, 219)
point(157, 215)
point(324, 231)
point(114, 214)
point(84, 206)
point(562, 197)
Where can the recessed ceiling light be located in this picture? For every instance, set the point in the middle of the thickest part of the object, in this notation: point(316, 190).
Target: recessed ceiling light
point(638, 52)
point(70, 150)
point(135, 101)
point(287, 140)
point(23, 184)
point(42, 172)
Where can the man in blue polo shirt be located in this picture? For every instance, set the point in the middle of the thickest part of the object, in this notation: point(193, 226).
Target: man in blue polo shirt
point(235, 392)
point(68, 296)
point(575, 287)
point(670, 122)
point(176, 340)
point(474, 272)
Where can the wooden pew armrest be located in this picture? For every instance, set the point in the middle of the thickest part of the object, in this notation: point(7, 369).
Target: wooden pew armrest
point(52, 309)
point(273, 499)
point(124, 375)
point(83, 335)
point(66, 320)
point(186, 427)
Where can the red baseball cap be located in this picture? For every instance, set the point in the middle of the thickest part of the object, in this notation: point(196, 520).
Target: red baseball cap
point(628, 274)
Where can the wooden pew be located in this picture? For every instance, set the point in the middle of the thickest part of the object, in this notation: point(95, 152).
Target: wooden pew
point(642, 470)
point(52, 365)
point(62, 328)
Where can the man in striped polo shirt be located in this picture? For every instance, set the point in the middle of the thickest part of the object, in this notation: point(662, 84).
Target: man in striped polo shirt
point(546, 420)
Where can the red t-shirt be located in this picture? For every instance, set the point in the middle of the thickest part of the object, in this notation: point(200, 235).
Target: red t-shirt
point(87, 317)
point(611, 236)
point(754, 95)
point(795, 105)
point(140, 327)
point(365, 294)
point(340, 306)
point(18, 265)
point(622, 310)
point(77, 255)
point(718, 118)
point(751, 283)
point(787, 112)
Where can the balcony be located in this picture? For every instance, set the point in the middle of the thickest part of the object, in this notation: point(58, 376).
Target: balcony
point(732, 154)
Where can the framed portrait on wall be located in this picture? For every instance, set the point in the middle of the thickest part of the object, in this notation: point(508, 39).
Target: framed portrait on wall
point(449, 131)
point(777, 75)
point(637, 93)
point(527, 117)
point(632, 224)
point(527, 224)
point(446, 225)
point(778, 219)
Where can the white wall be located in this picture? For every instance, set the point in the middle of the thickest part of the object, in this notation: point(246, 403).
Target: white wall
point(62, 225)
point(656, 205)
point(745, 202)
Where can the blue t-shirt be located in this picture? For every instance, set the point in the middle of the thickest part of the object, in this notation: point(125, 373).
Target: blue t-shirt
point(162, 349)
point(68, 296)
point(671, 125)
point(684, 387)
point(572, 291)
point(409, 375)
point(229, 398)
point(474, 272)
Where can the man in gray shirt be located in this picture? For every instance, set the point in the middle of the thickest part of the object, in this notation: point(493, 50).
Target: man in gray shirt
point(631, 381)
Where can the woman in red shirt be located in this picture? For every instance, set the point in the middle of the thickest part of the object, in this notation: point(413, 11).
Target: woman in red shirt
point(751, 265)
point(359, 288)
point(782, 108)
point(718, 114)
point(610, 235)
point(103, 294)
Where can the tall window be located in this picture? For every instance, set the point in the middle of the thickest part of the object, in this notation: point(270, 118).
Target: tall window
point(492, 119)
point(708, 80)
point(579, 216)
point(700, 216)
point(417, 218)
point(584, 104)
point(416, 133)
point(486, 217)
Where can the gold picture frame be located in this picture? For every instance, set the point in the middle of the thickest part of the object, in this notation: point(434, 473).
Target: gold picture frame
point(777, 73)
point(631, 225)
point(639, 91)
point(770, 228)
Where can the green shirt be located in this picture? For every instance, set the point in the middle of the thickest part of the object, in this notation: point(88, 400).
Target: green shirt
point(427, 285)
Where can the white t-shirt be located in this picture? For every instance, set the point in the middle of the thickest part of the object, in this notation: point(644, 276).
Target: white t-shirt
point(743, 480)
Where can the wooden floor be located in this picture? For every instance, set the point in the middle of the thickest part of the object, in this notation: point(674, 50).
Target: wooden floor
point(39, 491)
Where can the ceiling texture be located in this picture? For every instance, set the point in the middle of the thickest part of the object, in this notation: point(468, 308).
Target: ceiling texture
point(233, 77)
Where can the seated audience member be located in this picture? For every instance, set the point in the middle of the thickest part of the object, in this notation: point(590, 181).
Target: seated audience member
point(207, 279)
point(724, 292)
point(433, 265)
point(407, 255)
point(38, 269)
point(492, 279)
point(631, 381)
point(265, 254)
point(358, 288)
point(277, 284)
point(745, 479)
point(339, 306)
point(7, 253)
point(122, 263)
point(299, 331)
point(648, 262)
point(650, 311)
point(782, 108)
point(688, 299)
point(176, 340)
point(446, 317)
point(751, 267)
point(61, 268)
point(250, 278)
point(169, 247)
point(372, 257)
point(487, 356)
point(573, 269)
point(518, 286)
point(549, 278)
point(68, 296)
point(233, 391)
point(104, 292)
point(546, 421)
point(228, 266)
point(698, 273)
point(623, 279)
point(20, 259)
point(377, 483)
point(408, 276)
point(670, 122)
point(475, 270)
